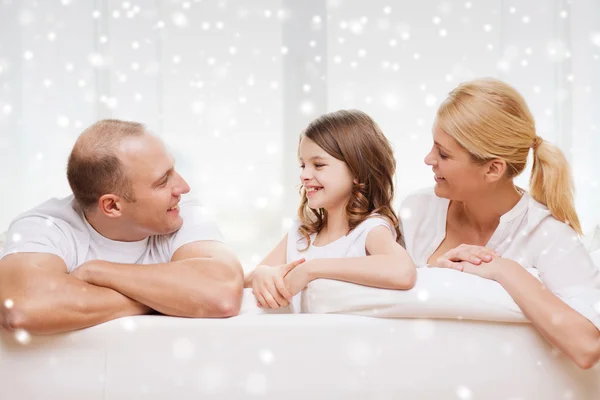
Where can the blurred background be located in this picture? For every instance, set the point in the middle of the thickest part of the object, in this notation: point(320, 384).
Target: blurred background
point(230, 84)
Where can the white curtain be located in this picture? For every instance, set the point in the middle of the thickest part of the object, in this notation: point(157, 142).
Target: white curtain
point(229, 85)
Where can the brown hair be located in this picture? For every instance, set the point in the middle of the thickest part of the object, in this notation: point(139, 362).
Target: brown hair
point(94, 169)
point(491, 120)
point(353, 137)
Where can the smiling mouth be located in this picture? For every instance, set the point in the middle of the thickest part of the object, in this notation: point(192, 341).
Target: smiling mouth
point(313, 189)
point(174, 208)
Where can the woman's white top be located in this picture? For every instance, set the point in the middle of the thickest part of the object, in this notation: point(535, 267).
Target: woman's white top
point(527, 234)
point(351, 245)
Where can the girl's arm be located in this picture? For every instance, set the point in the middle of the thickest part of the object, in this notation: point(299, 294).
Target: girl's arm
point(277, 256)
point(386, 266)
point(266, 280)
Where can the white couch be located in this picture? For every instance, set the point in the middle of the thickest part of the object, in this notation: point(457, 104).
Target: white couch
point(454, 336)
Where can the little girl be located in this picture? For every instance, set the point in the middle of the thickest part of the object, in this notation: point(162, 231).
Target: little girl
point(346, 228)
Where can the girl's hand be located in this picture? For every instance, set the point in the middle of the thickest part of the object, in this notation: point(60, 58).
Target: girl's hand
point(297, 279)
point(268, 285)
point(464, 256)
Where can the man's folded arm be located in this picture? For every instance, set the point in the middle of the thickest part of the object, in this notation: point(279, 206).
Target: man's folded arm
point(203, 279)
point(37, 295)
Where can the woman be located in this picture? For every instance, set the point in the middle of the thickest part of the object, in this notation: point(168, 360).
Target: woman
point(479, 222)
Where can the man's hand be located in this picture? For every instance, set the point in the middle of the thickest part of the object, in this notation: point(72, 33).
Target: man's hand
point(82, 272)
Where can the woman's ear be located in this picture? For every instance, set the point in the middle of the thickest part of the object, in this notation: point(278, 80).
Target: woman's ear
point(355, 180)
point(496, 170)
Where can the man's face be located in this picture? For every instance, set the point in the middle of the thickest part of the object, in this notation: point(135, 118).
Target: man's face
point(157, 187)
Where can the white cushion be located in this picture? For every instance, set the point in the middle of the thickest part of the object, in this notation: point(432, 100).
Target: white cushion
point(439, 293)
point(293, 357)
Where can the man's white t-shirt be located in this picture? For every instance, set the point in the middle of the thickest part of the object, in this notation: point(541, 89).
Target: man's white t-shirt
point(527, 234)
point(59, 227)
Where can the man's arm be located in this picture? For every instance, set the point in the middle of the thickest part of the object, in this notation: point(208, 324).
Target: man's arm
point(203, 279)
point(44, 299)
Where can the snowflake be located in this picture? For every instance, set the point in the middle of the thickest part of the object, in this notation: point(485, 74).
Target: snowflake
point(430, 100)
point(423, 295)
point(266, 356)
point(463, 392)
point(22, 336)
point(9, 303)
point(179, 19)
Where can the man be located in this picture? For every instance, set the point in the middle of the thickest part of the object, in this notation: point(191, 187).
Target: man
point(121, 245)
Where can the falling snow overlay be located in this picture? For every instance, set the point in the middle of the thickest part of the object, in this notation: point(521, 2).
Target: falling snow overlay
point(229, 85)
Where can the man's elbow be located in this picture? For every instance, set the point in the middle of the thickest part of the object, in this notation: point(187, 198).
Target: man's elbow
point(16, 318)
point(589, 357)
point(224, 303)
point(229, 299)
point(229, 305)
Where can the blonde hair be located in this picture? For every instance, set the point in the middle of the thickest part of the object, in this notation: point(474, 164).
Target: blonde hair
point(353, 137)
point(491, 120)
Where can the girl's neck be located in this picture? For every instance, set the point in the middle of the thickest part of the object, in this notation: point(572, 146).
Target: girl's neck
point(337, 224)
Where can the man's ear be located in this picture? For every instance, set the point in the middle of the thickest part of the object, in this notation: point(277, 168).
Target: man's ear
point(110, 205)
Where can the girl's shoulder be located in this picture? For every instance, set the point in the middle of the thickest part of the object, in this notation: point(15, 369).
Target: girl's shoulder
point(371, 222)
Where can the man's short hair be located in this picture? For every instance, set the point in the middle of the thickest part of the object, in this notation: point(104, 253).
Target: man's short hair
point(94, 169)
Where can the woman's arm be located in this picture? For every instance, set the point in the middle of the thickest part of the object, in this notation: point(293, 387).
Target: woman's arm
point(560, 324)
point(561, 269)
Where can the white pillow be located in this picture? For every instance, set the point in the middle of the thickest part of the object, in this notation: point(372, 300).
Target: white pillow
point(438, 293)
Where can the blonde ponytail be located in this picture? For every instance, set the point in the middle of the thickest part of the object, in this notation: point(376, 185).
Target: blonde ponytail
point(551, 183)
point(491, 120)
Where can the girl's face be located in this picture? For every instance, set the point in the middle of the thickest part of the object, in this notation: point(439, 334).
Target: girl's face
point(327, 181)
point(457, 177)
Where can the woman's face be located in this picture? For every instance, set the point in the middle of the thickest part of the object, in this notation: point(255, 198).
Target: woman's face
point(457, 176)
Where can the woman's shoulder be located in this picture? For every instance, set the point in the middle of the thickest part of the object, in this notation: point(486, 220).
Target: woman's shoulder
point(541, 222)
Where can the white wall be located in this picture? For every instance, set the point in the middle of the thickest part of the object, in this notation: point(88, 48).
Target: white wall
point(229, 84)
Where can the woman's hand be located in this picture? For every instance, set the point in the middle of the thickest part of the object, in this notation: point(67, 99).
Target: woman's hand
point(492, 269)
point(268, 284)
point(465, 256)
